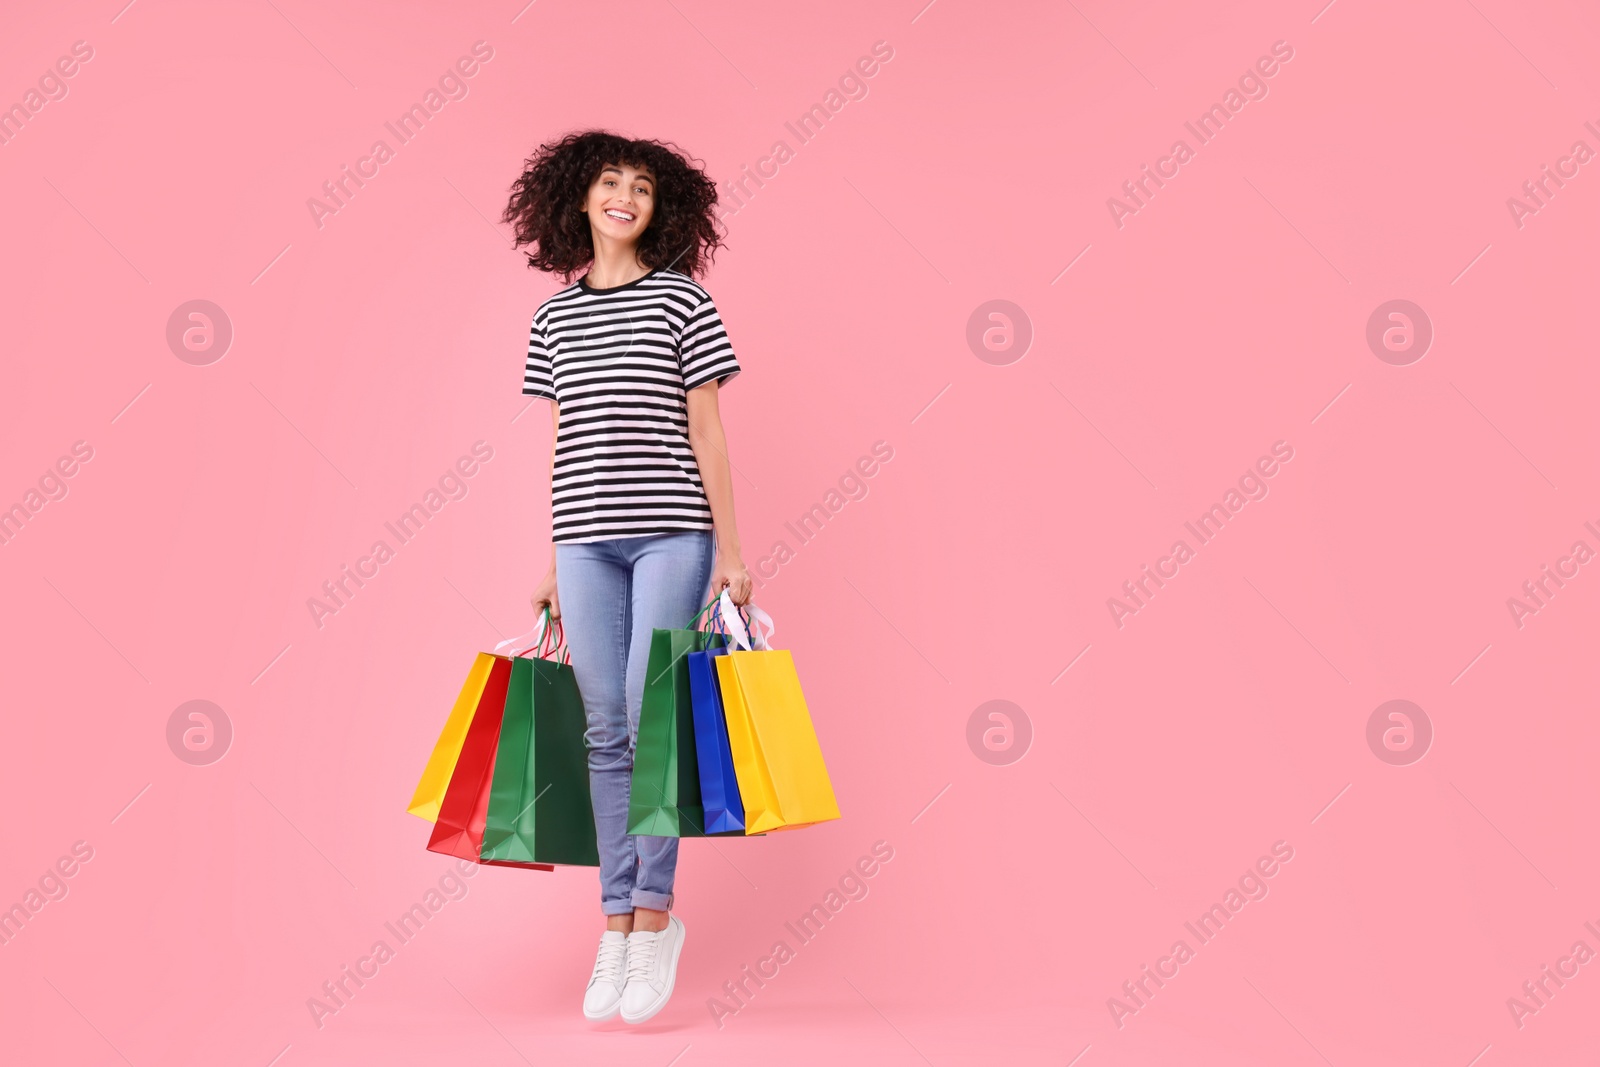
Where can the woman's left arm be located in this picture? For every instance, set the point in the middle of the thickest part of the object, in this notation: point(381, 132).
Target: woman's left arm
point(710, 447)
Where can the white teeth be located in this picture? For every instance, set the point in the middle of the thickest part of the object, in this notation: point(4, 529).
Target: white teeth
point(623, 215)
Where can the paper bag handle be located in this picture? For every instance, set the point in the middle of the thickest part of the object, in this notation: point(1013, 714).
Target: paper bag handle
point(756, 636)
point(534, 639)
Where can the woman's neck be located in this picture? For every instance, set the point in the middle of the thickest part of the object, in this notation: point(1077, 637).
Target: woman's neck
point(615, 265)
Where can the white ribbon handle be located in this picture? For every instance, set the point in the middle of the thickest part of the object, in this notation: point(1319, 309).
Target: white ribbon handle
point(758, 637)
point(516, 646)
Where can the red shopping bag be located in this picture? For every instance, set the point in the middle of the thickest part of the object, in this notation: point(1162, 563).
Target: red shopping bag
point(465, 808)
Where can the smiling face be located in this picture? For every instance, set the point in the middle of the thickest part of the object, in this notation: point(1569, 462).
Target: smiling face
point(620, 203)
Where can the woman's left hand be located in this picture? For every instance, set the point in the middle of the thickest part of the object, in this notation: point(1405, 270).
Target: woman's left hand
point(731, 574)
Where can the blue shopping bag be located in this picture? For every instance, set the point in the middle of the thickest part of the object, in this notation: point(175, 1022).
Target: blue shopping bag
point(719, 789)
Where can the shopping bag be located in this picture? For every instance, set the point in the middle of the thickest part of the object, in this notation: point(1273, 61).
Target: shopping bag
point(436, 775)
point(458, 831)
point(539, 805)
point(719, 787)
point(463, 811)
point(664, 793)
point(783, 781)
point(441, 764)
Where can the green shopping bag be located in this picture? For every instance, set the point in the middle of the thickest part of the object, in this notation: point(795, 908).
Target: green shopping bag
point(664, 796)
point(539, 805)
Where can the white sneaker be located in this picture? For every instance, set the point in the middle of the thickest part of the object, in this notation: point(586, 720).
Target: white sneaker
point(652, 968)
point(603, 999)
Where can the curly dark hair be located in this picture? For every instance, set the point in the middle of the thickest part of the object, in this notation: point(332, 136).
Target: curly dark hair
point(546, 202)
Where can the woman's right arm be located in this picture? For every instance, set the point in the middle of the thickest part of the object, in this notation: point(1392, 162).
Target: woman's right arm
point(546, 592)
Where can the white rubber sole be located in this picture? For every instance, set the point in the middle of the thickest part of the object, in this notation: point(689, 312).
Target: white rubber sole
point(616, 1009)
point(672, 980)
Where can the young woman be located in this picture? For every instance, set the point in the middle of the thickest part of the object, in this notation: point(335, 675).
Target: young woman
point(631, 357)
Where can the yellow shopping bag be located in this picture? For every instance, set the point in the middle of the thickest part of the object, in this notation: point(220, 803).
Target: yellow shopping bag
point(442, 764)
point(783, 781)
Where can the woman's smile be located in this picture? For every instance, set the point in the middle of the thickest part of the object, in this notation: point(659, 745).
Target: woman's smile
point(621, 202)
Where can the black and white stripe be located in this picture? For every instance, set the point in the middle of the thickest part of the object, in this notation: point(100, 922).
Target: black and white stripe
point(619, 362)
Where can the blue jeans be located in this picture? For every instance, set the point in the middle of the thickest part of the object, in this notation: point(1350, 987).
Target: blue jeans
point(613, 594)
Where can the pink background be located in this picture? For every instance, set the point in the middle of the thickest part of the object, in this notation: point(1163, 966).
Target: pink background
point(1228, 714)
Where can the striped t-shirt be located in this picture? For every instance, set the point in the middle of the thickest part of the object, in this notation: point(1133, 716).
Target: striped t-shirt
point(619, 363)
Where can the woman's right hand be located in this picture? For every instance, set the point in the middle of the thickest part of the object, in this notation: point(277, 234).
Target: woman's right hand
point(546, 594)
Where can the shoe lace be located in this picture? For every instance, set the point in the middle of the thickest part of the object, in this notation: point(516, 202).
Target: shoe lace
point(608, 964)
point(642, 957)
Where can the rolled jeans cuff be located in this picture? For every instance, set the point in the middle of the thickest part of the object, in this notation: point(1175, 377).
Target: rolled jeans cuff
point(616, 907)
point(644, 898)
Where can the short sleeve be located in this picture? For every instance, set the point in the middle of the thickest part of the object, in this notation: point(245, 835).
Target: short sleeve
point(538, 376)
point(705, 352)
